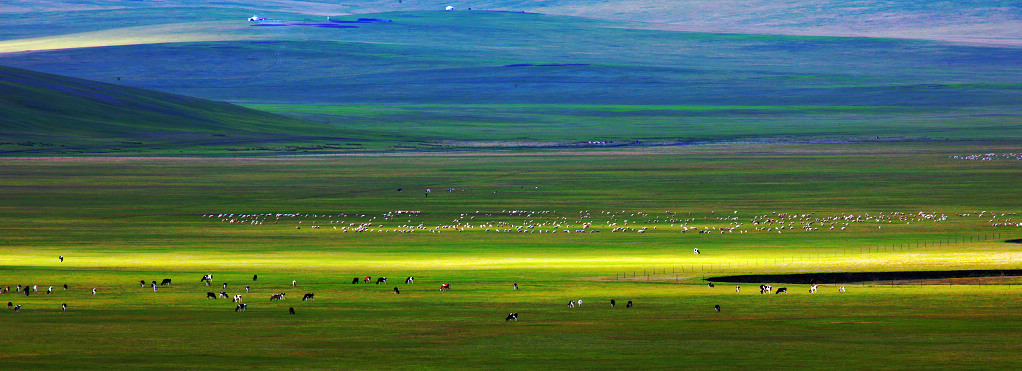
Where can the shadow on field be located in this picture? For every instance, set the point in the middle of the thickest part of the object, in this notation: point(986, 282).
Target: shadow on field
point(829, 278)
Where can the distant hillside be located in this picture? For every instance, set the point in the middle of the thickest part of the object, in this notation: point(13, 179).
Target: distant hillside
point(45, 113)
point(985, 21)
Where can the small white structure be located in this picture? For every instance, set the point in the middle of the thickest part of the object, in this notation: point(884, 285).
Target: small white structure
point(256, 18)
point(449, 8)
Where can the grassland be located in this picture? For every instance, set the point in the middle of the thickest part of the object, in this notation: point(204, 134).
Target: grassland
point(117, 221)
point(770, 154)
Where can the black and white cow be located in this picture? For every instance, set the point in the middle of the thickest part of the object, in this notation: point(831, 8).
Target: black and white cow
point(709, 284)
point(381, 280)
point(410, 279)
point(207, 277)
point(716, 307)
point(612, 303)
point(629, 305)
point(279, 296)
point(396, 291)
point(223, 294)
point(309, 296)
point(511, 316)
point(241, 307)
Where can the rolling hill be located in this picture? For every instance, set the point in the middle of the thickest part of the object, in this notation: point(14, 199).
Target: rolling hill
point(53, 114)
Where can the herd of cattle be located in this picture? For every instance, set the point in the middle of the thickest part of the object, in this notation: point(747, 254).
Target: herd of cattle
point(240, 306)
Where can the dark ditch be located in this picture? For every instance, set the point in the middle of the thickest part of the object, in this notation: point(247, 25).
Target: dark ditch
point(853, 277)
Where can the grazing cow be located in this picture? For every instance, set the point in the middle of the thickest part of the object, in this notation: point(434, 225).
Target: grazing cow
point(49, 290)
point(241, 307)
point(207, 278)
point(61, 258)
point(223, 294)
point(166, 281)
point(246, 289)
point(738, 288)
point(716, 307)
point(782, 290)
point(255, 276)
point(17, 308)
point(141, 283)
point(764, 289)
point(695, 251)
point(629, 305)
point(812, 289)
point(410, 279)
point(571, 303)
point(367, 279)
point(612, 303)
point(27, 290)
point(516, 285)
point(309, 296)
point(225, 285)
point(291, 310)
point(354, 281)
point(381, 280)
point(237, 298)
point(210, 295)
point(63, 307)
point(65, 286)
point(93, 291)
point(279, 296)
point(10, 305)
point(294, 283)
point(445, 287)
point(396, 291)
point(709, 284)
point(511, 316)
point(841, 289)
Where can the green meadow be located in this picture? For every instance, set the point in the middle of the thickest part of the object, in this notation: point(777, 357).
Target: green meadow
point(118, 221)
point(589, 152)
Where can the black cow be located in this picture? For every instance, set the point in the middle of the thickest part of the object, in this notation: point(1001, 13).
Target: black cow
point(241, 307)
point(354, 281)
point(10, 305)
point(612, 303)
point(210, 295)
point(255, 276)
point(396, 291)
point(629, 305)
point(309, 296)
point(716, 307)
point(381, 280)
point(291, 310)
point(511, 316)
point(782, 290)
point(27, 290)
point(166, 281)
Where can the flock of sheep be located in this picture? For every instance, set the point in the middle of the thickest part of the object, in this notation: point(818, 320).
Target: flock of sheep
point(550, 222)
